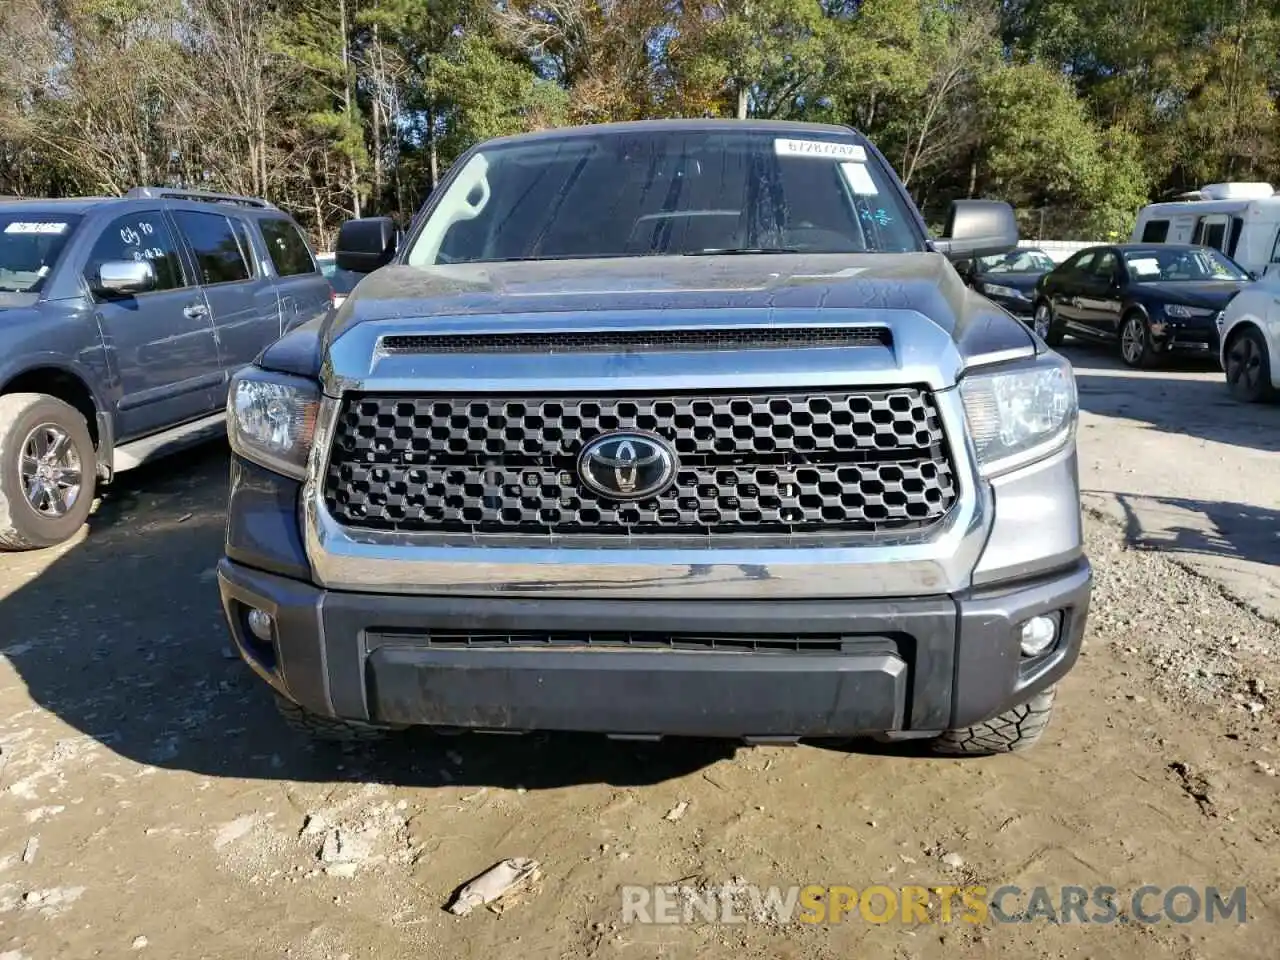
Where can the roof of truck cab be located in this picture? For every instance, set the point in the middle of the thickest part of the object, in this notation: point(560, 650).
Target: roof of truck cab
point(788, 128)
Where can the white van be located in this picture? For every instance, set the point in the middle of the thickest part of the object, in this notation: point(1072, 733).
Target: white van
point(1240, 219)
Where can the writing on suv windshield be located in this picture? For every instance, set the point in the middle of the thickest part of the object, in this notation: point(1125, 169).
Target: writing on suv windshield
point(666, 193)
point(1165, 264)
point(29, 247)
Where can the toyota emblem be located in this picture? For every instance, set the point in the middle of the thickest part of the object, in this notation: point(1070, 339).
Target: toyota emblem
point(627, 466)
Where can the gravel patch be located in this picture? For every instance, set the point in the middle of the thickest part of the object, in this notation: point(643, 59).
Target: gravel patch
point(1196, 640)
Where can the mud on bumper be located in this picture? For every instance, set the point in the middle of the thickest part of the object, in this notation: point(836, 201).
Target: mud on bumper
point(698, 668)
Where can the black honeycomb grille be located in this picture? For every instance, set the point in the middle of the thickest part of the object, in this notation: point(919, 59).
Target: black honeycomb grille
point(792, 463)
point(640, 341)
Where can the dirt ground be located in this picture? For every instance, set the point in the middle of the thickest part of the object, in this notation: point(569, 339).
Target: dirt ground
point(151, 804)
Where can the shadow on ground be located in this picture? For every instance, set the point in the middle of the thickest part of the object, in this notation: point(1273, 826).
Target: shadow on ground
point(121, 637)
point(1187, 396)
point(1200, 527)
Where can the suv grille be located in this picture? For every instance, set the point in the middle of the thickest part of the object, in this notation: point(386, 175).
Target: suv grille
point(768, 463)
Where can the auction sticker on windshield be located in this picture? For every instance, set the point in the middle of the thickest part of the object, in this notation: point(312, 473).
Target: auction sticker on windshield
point(41, 227)
point(859, 180)
point(819, 148)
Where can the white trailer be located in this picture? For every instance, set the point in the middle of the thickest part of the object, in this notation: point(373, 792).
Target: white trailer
point(1240, 219)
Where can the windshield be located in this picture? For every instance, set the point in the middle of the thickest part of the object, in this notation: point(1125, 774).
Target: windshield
point(343, 281)
point(29, 247)
point(1017, 261)
point(656, 192)
point(1164, 264)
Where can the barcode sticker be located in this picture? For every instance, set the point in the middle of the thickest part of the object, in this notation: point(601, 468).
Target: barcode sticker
point(820, 149)
point(37, 227)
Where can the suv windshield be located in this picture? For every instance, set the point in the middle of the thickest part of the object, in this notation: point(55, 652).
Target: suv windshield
point(1164, 264)
point(29, 247)
point(1018, 261)
point(667, 192)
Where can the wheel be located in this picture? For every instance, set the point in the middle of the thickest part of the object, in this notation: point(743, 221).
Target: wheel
point(1249, 367)
point(1045, 326)
point(1136, 348)
point(328, 729)
point(1013, 731)
point(48, 471)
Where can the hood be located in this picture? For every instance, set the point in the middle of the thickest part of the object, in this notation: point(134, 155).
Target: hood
point(790, 283)
point(1211, 294)
point(1018, 279)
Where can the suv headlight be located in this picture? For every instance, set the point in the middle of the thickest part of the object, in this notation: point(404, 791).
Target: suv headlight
point(999, 290)
point(1186, 313)
point(1020, 414)
point(271, 419)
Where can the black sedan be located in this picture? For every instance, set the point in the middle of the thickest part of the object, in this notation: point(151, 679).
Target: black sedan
point(1009, 279)
point(1149, 299)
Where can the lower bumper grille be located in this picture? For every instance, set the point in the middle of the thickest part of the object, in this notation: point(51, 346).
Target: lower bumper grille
point(631, 640)
point(774, 463)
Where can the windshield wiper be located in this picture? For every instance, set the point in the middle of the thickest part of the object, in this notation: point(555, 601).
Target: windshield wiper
point(738, 251)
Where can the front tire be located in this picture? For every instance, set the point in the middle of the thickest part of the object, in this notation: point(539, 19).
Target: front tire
point(1013, 731)
point(316, 726)
point(1136, 348)
point(48, 471)
point(1249, 367)
point(1045, 325)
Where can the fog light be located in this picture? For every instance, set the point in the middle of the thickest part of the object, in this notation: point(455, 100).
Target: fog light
point(1038, 635)
point(260, 625)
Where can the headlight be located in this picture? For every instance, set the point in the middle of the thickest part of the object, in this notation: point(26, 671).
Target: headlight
point(1021, 414)
point(996, 290)
point(1186, 313)
point(271, 420)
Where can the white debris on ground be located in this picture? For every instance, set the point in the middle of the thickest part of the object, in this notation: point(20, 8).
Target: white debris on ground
point(678, 811)
point(499, 883)
point(49, 903)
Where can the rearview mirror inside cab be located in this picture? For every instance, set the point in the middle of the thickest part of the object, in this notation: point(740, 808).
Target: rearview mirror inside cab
point(365, 245)
point(978, 228)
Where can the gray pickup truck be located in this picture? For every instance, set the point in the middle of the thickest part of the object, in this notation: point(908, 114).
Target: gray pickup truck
point(122, 320)
point(664, 428)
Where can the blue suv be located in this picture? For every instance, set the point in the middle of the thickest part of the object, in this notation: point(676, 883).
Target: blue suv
point(122, 321)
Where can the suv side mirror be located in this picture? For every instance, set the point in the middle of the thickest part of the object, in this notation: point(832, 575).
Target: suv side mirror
point(124, 278)
point(365, 245)
point(978, 228)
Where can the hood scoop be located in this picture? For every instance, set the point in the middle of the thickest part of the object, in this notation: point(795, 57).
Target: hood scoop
point(639, 341)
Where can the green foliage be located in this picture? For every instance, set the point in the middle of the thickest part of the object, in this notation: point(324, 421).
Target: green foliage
point(1076, 111)
point(489, 95)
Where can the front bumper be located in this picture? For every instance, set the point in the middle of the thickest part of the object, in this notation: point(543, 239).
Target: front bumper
point(1194, 336)
point(817, 667)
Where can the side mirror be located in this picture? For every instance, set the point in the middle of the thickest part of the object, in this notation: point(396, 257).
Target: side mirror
point(365, 245)
point(124, 278)
point(978, 228)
